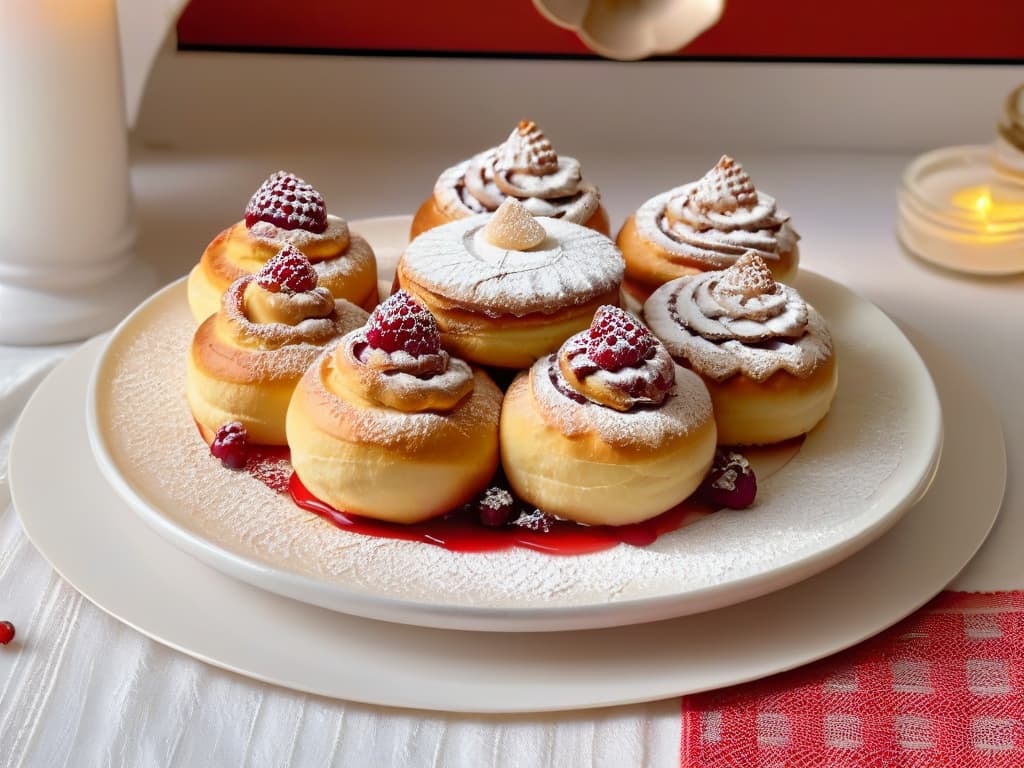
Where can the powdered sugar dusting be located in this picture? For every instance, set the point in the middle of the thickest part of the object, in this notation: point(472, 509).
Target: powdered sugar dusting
point(435, 382)
point(274, 351)
point(288, 202)
point(686, 407)
point(527, 150)
point(709, 320)
point(646, 383)
point(822, 495)
point(273, 471)
point(496, 497)
point(715, 220)
point(337, 232)
point(526, 167)
point(749, 278)
point(572, 266)
point(724, 189)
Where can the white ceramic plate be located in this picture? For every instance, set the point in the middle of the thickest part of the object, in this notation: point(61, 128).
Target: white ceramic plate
point(96, 542)
point(871, 458)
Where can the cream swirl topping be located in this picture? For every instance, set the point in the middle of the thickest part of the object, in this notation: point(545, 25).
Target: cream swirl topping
point(526, 167)
point(646, 384)
point(715, 220)
point(686, 406)
point(263, 306)
point(399, 380)
point(739, 321)
point(257, 318)
point(336, 236)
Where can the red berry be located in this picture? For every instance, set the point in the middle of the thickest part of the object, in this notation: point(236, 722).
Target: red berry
point(618, 340)
point(731, 482)
point(288, 202)
point(229, 445)
point(6, 632)
point(289, 271)
point(401, 323)
point(495, 507)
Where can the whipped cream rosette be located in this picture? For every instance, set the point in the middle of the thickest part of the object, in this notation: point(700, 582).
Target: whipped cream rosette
point(608, 430)
point(524, 167)
point(285, 210)
point(245, 360)
point(766, 355)
point(388, 425)
point(706, 225)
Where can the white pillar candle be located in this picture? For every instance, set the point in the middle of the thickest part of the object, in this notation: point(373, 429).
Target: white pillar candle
point(67, 268)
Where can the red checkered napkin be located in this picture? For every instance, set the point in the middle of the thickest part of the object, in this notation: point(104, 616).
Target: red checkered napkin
point(942, 689)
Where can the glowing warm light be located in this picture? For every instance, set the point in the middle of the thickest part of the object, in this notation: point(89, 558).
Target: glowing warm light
point(979, 201)
point(983, 203)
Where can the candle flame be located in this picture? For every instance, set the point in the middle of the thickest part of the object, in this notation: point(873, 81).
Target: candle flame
point(983, 203)
point(991, 206)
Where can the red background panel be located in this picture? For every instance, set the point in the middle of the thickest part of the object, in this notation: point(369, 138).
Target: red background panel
point(829, 29)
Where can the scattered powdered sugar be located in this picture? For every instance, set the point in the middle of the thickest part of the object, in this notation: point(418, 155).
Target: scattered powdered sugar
point(827, 492)
point(496, 497)
point(572, 266)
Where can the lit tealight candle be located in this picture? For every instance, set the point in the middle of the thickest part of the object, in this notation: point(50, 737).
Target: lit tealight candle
point(980, 201)
point(957, 212)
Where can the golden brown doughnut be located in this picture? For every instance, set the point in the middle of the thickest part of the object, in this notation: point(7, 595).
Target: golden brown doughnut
point(244, 369)
point(607, 441)
point(504, 306)
point(702, 226)
point(386, 426)
point(764, 353)
point(344, 261)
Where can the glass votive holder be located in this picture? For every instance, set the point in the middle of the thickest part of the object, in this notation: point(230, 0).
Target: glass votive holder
point(963, 207)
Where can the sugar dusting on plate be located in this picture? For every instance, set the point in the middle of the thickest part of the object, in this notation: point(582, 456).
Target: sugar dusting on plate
point(823, 496)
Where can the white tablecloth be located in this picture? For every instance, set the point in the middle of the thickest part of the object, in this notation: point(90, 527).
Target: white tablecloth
point(78, 688)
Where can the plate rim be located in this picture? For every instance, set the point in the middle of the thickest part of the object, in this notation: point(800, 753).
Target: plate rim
point(686, 672)
point(593, 614)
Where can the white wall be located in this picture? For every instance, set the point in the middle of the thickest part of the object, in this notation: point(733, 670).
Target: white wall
point(222, 101)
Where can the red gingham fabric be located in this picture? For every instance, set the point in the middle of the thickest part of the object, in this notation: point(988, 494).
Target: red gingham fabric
point(944, 688)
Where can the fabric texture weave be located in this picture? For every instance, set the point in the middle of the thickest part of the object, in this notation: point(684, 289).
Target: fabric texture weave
point(942, 688)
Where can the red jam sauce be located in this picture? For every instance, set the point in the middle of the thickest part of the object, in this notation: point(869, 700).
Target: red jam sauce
point(461, 531)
